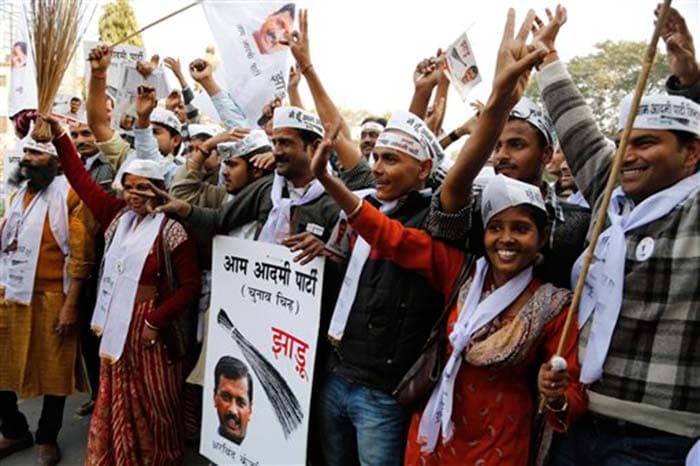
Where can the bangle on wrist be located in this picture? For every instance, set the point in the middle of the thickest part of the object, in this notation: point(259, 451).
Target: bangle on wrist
point(98, 74)
point(306, 68)
point(453, 136)
point(356, 210)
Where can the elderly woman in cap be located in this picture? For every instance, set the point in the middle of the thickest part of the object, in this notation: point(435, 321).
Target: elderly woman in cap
point(148, 281)
point(503, 321)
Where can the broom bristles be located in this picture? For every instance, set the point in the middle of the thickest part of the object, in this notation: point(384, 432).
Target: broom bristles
point(54, 28)
point(284, 403)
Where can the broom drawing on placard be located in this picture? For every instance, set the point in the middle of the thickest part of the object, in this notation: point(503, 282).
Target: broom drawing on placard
point(55, 28)
point(283, 401)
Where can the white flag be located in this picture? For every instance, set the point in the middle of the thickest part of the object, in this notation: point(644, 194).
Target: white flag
point(255, 66)
point(461, 63)
point(23, 94)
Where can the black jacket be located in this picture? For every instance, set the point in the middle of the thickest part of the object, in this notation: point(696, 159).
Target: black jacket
point(391, 317)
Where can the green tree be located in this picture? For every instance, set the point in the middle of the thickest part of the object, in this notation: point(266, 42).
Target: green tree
point(118, 21)
point(609, 74)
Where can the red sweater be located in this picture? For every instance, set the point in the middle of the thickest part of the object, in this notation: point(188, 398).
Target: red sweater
point(105, 207)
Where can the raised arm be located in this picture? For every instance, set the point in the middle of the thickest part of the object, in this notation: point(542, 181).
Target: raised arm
point(96, 105)
point(103, 206)
point(426, 76)
point(515, 60)
point(348, 152)
point(588, 152)
point(293, 88)
point(229, 112)
point(680, 53)
point(145, 142)
point(187, 94)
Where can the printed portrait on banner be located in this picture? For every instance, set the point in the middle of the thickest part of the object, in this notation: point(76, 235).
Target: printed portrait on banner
point(261, 346)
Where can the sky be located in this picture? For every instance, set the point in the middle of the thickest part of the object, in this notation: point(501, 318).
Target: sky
point(365, 50)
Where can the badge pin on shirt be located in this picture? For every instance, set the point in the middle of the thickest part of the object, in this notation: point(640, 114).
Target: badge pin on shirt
point(645, 249)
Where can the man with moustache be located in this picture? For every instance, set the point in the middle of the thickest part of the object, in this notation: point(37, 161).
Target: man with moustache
point(45, 256)
point(233, 398)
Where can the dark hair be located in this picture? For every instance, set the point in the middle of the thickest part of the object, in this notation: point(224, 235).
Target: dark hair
point(200, 137)
point(160, 184)
point(683, 137)
point(474, 69)
point(288, 8)
point(22, 46)
point(539, 217)
point(380, 120)
point(174, 94)
point(308, 137)
point(232, 369)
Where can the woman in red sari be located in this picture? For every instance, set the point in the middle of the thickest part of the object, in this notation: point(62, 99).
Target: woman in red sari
point(138, 412)
point(506, 324)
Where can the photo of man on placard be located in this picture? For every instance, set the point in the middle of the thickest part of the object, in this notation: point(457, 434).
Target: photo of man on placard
point(272, 30)
point(18, 55)
point(233, 398)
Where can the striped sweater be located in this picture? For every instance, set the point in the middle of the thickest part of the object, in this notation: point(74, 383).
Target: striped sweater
point(652, 372)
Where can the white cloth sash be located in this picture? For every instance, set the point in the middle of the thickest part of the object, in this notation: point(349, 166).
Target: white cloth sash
point(26, 227)
point(348, 291)
point(694, 455)
point(437, 415)
point(604, 285)
point(277, 226)
point(121, 273)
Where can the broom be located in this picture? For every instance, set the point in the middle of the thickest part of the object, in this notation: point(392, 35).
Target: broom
point(284, 402)
point(54, 30)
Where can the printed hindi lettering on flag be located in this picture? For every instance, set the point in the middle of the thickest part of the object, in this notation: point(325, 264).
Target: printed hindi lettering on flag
point(254, 65)
point(261, 348)
point(461, 65)
point(22, 95)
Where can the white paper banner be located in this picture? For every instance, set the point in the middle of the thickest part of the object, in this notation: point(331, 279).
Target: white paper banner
point(255, 66)
point(461, 65)
point(122, 55)
point(264, 318)
point(23, 94)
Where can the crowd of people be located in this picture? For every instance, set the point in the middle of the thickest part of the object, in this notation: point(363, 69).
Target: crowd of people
point(106, 253)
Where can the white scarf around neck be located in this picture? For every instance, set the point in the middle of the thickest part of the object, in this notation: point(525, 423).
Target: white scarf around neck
point(278, 224)
point(603, 290)
point(123, 264)
point(26, 227)
point(437, 415)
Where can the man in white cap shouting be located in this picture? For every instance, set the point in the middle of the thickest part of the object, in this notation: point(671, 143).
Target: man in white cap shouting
point(45, 254)
point(640, 311)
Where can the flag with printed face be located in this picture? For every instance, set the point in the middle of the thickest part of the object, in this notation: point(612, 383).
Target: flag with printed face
point(254, 64)
point(23, 94)
point(461, 66)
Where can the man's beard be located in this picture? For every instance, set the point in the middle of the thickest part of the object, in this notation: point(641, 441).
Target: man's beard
point(38, 176)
